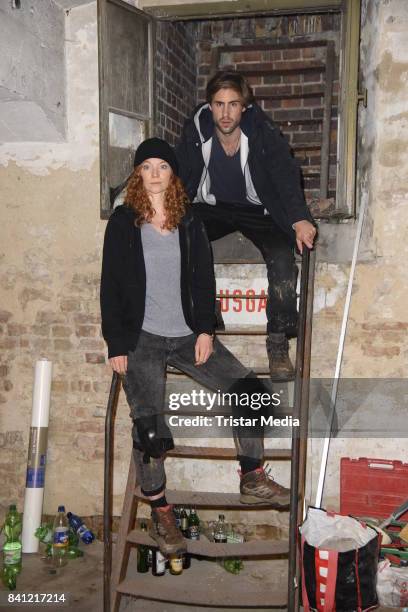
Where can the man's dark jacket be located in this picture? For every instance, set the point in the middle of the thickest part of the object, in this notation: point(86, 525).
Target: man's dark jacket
point(123, 281)
point(274, 172)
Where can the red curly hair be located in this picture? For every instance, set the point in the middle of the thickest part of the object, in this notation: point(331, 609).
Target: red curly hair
point(175, 200)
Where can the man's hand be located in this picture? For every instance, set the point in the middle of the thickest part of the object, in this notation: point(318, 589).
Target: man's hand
point(203, 348)
point(119, 364)
point(305, 233)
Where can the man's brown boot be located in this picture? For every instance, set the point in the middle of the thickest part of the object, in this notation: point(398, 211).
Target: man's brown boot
point(258, 487)
point(280, 366)
point(165, 531)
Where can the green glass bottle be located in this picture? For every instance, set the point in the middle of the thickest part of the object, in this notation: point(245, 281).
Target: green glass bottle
point(12, 547)
point(143, 554)
point(193, 525)
point(184, 522)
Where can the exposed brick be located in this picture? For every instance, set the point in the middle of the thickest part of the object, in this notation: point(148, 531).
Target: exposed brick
point(40, 344)
point(16, 329)
point(87, 330)
point(59, 386)
point(291, 54)
point(92, 344)
point(95, 358)
point(8, 343)
point(5, 315)
point(62, 344)
point(70, 305)
point(291, 103)
point(61, 331)
point(272, 104)
point(312, 102)
point(46, 316)
point(41, 330)
point(86, 318)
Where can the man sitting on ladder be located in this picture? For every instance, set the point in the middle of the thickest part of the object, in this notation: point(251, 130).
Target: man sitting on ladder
point(238, 170)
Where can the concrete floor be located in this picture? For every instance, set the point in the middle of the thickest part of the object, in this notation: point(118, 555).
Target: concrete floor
point(81, 582)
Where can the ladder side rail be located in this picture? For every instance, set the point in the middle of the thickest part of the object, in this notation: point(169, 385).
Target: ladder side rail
point(107, 491)
point(294, 479)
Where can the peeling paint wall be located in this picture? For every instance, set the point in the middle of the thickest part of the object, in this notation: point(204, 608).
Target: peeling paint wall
point(375, 345)
point(32, 72)
point(51, 238)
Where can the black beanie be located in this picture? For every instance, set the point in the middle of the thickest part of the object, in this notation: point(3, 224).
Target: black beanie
point(156, 147)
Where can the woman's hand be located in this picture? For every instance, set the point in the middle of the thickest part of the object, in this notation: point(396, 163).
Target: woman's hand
point(119, 364)
point(203, 348)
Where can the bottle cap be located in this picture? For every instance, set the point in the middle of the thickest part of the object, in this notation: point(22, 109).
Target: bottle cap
point(61, 508)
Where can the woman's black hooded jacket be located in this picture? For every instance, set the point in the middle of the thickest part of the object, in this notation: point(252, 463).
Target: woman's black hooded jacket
point(123, 281)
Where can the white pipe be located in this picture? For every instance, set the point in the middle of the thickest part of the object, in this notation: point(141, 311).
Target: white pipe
point(37, 454)
point(325, 453)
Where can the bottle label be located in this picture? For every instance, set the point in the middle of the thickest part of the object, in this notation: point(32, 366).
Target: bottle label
point(184, 523)
point(12, 556)
point(61, 537)
point(194, 532)
point(160, 562)
point(220, 538)
point(37, 455)
point(177, 564)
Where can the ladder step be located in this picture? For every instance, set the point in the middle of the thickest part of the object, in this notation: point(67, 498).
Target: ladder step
point(242, 330)
point(276, 412)
point(225, 590)
point(206, 499)
point(206, 548)
point(213, 452)
point(258, 371)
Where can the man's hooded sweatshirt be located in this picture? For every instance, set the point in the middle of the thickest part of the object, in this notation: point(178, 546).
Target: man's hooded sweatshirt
point(272, 176)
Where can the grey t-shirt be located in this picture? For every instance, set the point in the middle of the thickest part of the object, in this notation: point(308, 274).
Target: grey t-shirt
point(163, 309)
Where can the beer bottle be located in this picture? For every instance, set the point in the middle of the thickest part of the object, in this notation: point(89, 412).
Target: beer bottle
point(184, 522)
point(143, 554)
point(176, 564)
point(193, 525)
point(158, 563)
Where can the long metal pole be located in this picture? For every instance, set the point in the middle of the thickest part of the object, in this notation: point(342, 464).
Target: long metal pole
point(333, 397)
point(107, 489)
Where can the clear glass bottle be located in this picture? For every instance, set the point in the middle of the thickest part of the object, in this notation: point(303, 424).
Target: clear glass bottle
point(60, 538)
point(220, 530)
point(158, 563)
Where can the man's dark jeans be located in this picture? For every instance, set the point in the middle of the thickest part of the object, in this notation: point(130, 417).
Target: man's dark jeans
point(275, 247)
point(144, 385)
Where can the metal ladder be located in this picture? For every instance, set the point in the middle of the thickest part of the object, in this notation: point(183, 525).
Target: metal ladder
point(116, 582)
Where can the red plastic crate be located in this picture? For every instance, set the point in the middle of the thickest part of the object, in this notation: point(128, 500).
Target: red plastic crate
point(372, 487)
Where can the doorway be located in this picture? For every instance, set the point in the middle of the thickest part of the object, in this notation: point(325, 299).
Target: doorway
point(301, 63)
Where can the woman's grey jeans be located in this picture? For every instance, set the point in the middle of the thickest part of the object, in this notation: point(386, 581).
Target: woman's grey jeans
point(144, 385)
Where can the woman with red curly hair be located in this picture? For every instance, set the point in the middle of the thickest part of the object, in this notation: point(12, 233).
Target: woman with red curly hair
point(157, 305)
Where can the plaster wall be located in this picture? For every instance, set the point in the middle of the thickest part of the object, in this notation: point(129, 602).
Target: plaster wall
point(32, 72)
point(51, 238)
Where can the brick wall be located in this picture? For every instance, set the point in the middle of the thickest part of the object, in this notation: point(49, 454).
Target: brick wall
point(175, 78)
point(293, 70)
